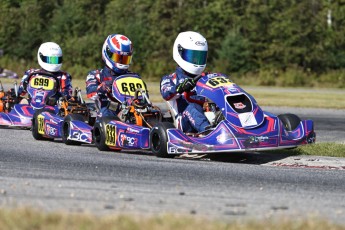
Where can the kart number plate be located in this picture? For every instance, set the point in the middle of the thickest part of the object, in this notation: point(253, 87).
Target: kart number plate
point(40, 124)
point(42, 82)
point(128, 85)
point(110, 135)
point(218, 82)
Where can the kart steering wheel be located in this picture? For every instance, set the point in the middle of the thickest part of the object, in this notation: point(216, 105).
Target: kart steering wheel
point(136, 99)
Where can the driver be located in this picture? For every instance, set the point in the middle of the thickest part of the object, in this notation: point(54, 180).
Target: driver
point(117, 55)
point(49, 57)
point(190, 53)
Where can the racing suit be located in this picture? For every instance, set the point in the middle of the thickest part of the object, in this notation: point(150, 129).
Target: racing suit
point(98, 88)
point(64, 78)
point(189, 114)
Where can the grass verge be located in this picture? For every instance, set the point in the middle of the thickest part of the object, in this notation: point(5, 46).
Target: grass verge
point(30, 219)
point(265, 96)
point(328, 149)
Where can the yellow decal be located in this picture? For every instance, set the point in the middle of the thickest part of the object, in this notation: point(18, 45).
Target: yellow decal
point(128, 85)
point(218, 82)
point(110, 135)
point(43, 82)
point(40, 124)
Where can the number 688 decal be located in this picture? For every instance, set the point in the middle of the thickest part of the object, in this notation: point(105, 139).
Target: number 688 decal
point(129, 85)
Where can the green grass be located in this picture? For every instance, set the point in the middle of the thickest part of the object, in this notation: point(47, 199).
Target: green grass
point(265, 96)
point(325, 99)
point(30, 219)
point(318, 149)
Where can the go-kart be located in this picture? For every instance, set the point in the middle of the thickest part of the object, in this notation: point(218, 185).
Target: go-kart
point(50, 124)
point(237, 124)
point(8, 98)
point(130, 129)
point(41, 87)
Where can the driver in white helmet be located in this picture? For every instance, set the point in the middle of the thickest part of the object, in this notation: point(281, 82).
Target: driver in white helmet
point(190, 53)
point(49, 57)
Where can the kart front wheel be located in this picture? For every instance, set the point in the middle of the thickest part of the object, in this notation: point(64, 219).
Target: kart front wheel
point(37, 124)
point(99, 137)
point(159, 139)
point(67, 127)
point(98, 133)
point(290, 121)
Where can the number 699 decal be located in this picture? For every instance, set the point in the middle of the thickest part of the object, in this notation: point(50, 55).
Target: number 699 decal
point(42, 82)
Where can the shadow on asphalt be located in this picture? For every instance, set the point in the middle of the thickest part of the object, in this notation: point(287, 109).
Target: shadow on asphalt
point(256, 158)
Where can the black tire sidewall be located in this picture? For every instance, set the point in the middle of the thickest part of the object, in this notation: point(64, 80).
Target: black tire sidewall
point(98, 132)
point(66, 127)
point(290, 121)
point(159, 139)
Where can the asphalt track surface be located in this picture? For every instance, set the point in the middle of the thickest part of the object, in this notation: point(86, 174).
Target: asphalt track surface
point(51, 176)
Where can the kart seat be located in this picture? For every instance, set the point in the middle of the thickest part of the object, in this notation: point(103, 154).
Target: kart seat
point(176, 117)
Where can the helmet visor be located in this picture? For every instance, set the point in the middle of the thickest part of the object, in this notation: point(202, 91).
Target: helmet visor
point(119, 58)
point(51, 59)
point(197, 57)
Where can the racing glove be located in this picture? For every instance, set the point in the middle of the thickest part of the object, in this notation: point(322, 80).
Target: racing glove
point(103, 88)
point(12, 92)
point(186, 86)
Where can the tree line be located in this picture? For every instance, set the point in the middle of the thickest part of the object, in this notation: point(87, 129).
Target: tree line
point(268, 42)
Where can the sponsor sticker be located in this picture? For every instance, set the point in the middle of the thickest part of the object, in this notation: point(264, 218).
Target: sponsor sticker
point(200, 43)
point(239, 105)
point(51, 130)
point(131, 130)
point(223, 137)
point(126, 140)
point(79, 136)
point(247, 119)
point(165, 81)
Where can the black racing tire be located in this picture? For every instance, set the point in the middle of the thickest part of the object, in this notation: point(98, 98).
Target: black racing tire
point(66, 128)
point(98, 133)
point(35, 125)
point(290, 121)
point(159, 139)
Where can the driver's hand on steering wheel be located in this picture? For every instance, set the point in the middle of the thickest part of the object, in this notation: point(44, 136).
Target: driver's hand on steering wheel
point(186, 86)
point(104, 88)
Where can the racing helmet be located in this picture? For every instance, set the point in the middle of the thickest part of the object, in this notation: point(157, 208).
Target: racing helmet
point(117, 52)
point(49, 56)
point(190, 52)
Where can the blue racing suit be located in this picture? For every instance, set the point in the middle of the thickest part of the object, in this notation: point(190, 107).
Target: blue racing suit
point(98, 88)
point(64, 78)
point(189, 114)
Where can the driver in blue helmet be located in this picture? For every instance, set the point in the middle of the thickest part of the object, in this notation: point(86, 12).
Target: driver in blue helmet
point(117, 54)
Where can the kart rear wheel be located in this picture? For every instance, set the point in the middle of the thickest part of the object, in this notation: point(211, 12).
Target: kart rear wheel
point(290, 121)
point(98, 133)
point(35, 124)
point(159, 139)
point(66, 128)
